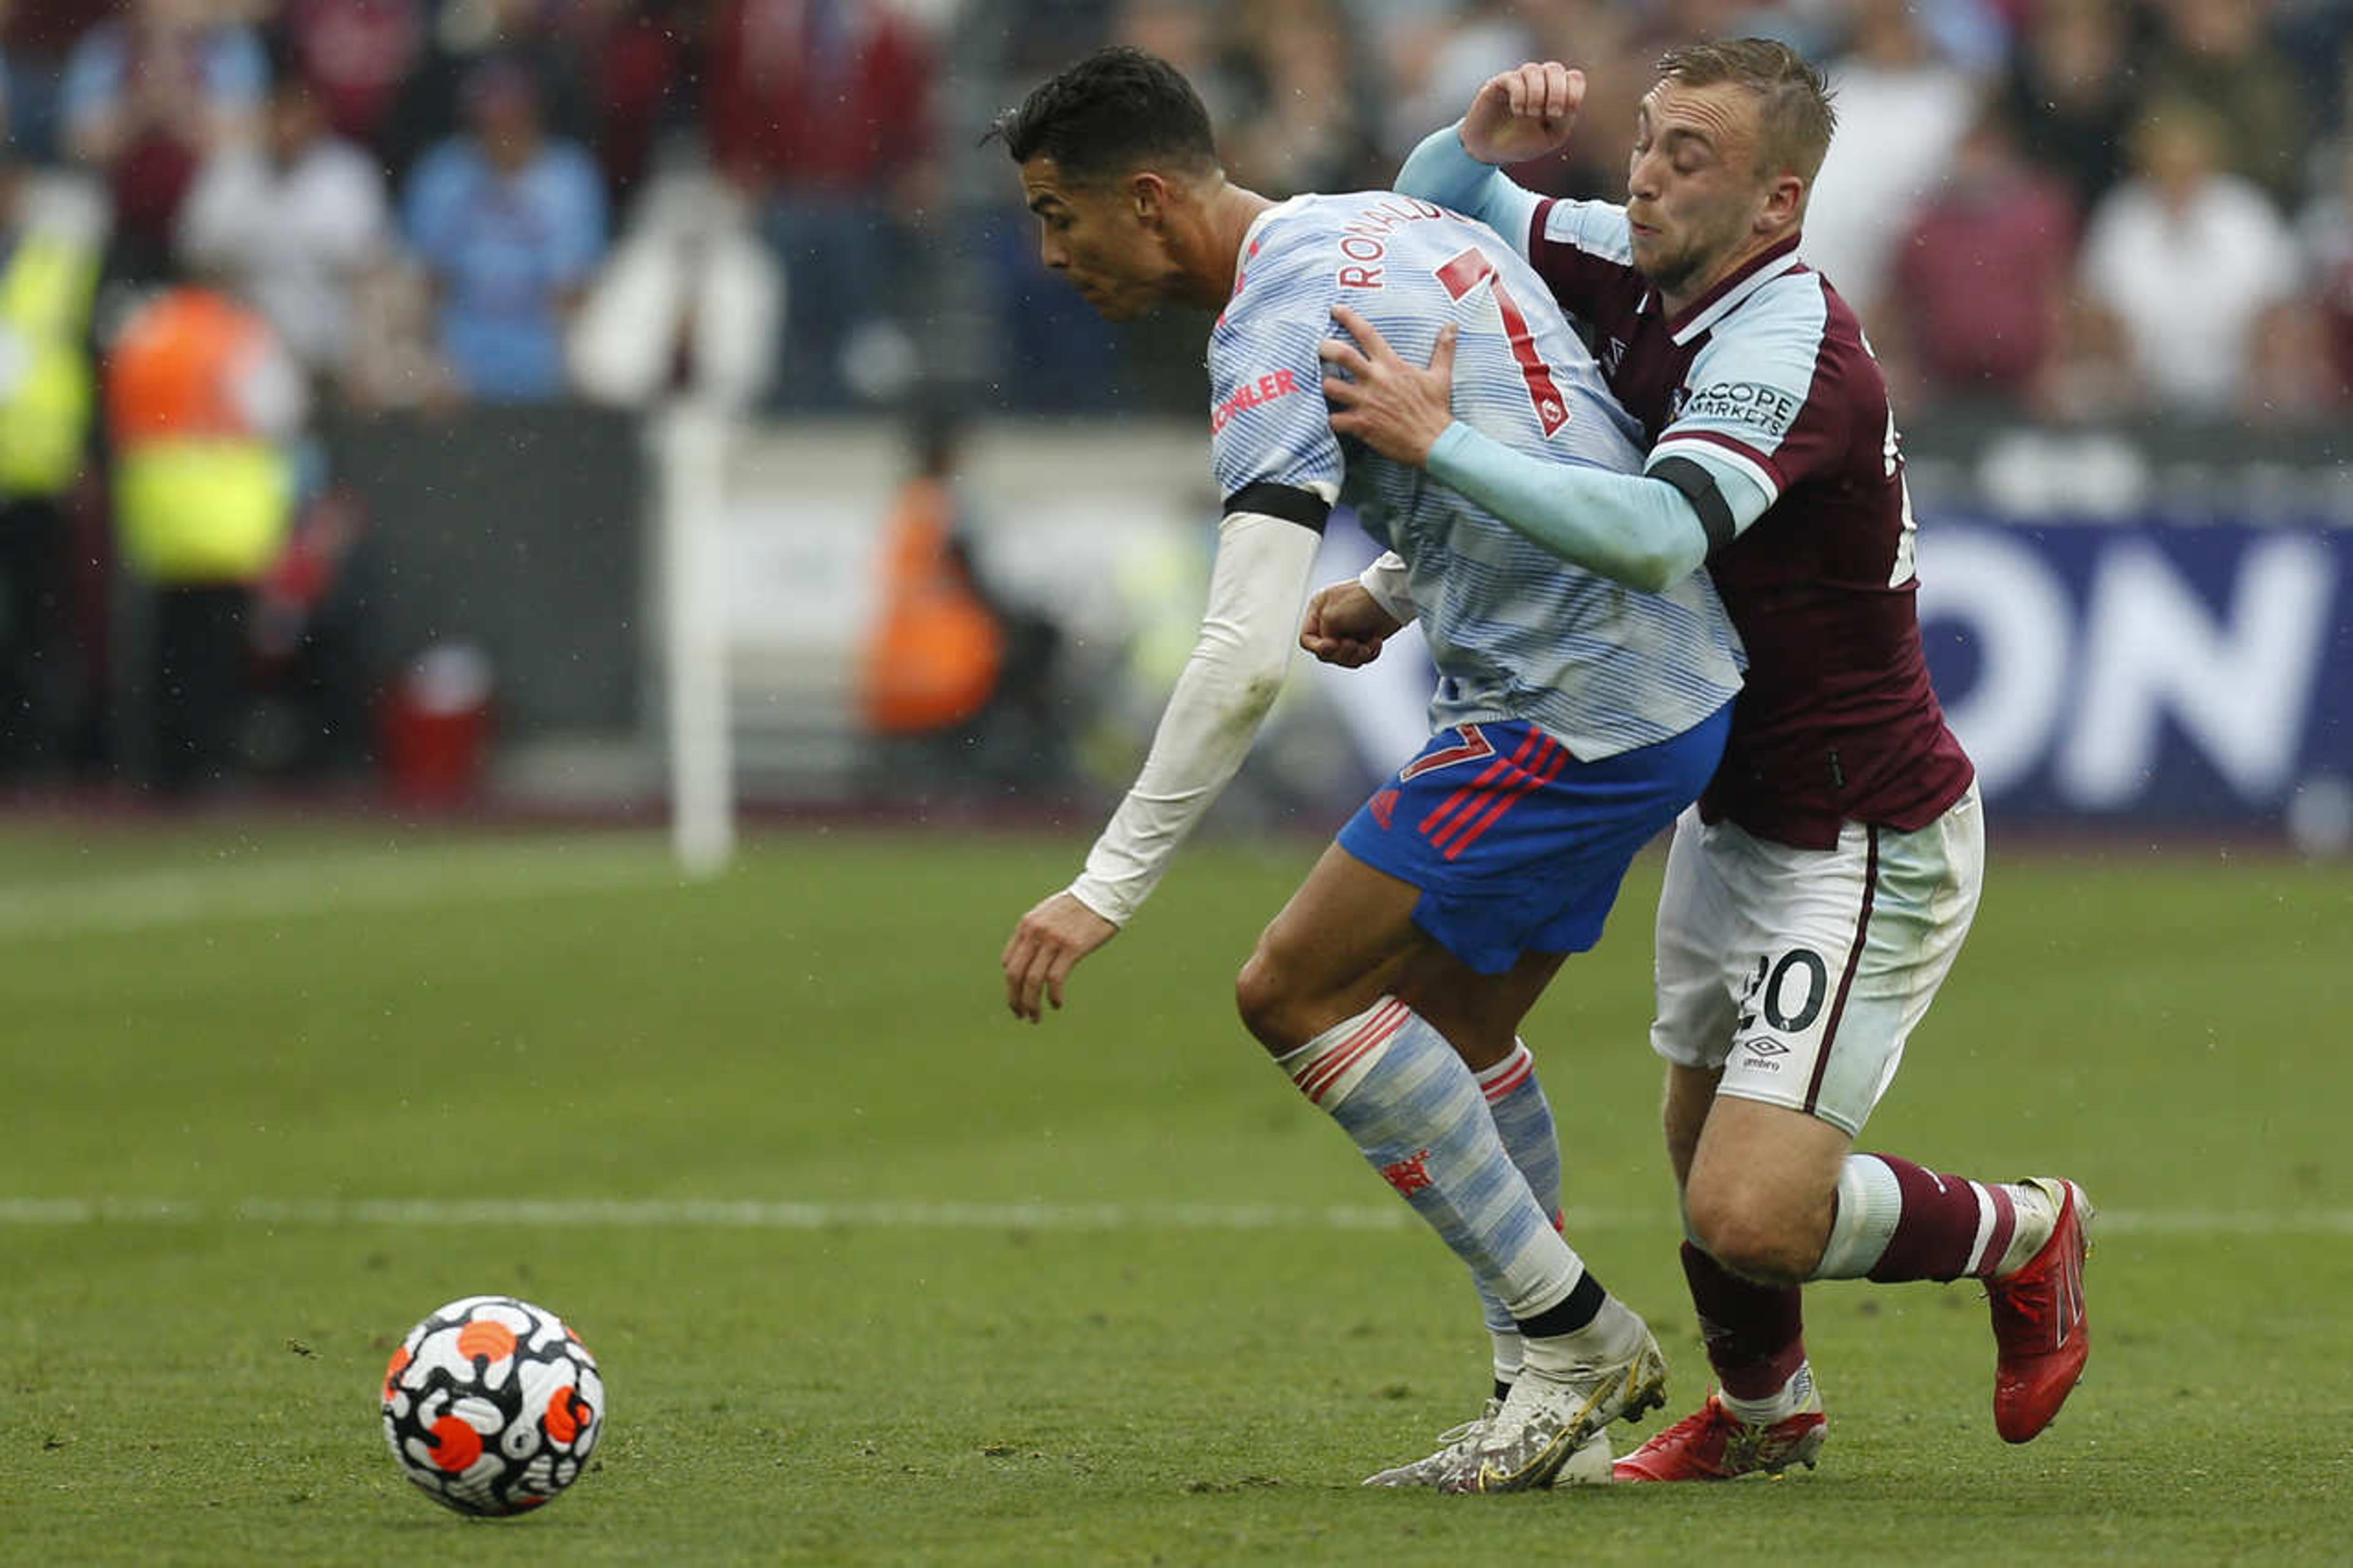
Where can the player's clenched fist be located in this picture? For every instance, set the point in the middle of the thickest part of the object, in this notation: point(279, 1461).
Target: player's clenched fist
point(1524, 113)
point(1345, 626)
point(1045, 947)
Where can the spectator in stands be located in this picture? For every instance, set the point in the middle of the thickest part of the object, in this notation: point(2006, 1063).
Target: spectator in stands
point(2069, 92)
point(2216, 54)
point(355, 54)
point(2183, 265)
point(1983, 279)
point(1307, 120)
point(37, 36)
point(1436, 62)
point(1185, 33)
point(1975, 35)
point(203, 403)
point(52, 232)
point(2327, 231)
point(2316, 38)
point(146, 97)
point(821, 109)
point(431, 101)
point(937, 648)
point(291, 225)
point(1902, 109)
point(637, 57)
point(958, 685)
point(510, 224)
point(1426, 61)
point(289, 222)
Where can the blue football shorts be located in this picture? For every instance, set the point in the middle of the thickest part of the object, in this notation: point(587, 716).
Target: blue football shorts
point(1517, 846)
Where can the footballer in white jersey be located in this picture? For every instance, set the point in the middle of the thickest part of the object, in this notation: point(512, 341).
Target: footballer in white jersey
point(1516, 633)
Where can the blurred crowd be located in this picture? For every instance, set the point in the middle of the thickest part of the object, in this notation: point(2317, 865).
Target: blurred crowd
point(2088, 206)
point(2076, 209)
point(225, 224)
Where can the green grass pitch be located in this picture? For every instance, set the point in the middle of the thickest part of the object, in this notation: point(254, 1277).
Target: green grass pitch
point(877, 1275)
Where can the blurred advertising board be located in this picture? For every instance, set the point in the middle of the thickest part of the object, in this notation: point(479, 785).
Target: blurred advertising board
point(2145, 671)
point(2145, 627)
point(2129, 630)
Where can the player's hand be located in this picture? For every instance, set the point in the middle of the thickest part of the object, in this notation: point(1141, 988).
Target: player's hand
point(1345, 626)
point(1524, 113)
point(1393, 407)
point(1045, 947)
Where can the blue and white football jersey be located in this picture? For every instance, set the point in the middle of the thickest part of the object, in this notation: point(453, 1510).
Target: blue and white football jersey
point(1517, 632)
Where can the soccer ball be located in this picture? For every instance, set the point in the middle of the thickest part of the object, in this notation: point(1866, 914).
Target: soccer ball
point(491, 1405)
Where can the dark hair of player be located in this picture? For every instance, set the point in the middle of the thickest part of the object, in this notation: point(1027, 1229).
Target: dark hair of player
point(1794, 115)
point(1117, 110)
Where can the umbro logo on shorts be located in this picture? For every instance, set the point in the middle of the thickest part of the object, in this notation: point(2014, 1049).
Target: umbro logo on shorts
point(1764, 1047)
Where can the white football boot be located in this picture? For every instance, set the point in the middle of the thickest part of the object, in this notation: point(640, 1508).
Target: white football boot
point(1550, 1418)
point(1588, 1466)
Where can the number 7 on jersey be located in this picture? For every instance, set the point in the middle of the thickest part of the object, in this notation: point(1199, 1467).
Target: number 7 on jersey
point(1466, 273)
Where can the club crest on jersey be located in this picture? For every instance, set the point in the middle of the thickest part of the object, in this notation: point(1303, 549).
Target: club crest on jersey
point(1250, 394)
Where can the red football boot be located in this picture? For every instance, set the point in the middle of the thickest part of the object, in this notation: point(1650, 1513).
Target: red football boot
point(2040, 1330)
point(1714, 1445)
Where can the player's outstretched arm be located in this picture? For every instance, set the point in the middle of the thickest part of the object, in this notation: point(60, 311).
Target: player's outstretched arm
point(1641, 529)
point(1043, 950)
point(1257, 590)
point(1516, 115)
point(1441, 171)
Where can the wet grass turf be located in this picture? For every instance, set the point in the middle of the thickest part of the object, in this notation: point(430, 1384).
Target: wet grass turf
point(1205, 1325)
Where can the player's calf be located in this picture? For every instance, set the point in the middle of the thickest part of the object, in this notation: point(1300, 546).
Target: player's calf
point(2027, 1240)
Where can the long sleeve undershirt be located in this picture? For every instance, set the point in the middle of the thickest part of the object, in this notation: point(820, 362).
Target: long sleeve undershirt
point(1630, 527)
point(1441, 170)
point(1257, 591)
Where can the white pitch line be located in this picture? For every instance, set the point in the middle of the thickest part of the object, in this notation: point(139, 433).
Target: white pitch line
point(751, 1213)
point(376, 881)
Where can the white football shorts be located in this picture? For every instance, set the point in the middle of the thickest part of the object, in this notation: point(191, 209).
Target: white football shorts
point(1800, 972)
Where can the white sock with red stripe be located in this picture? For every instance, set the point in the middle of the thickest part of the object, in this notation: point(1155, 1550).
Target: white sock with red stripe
point(1524, 1121)
point(1416, 1114)
point(1897, 1221)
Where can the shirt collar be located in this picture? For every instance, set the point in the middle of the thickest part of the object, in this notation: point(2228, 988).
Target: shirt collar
point(1718, 301)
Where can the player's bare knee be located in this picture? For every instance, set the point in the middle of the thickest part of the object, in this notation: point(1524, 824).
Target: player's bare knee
point(1750, 1237)
point(1268, 1005)
point(1752, 1254)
